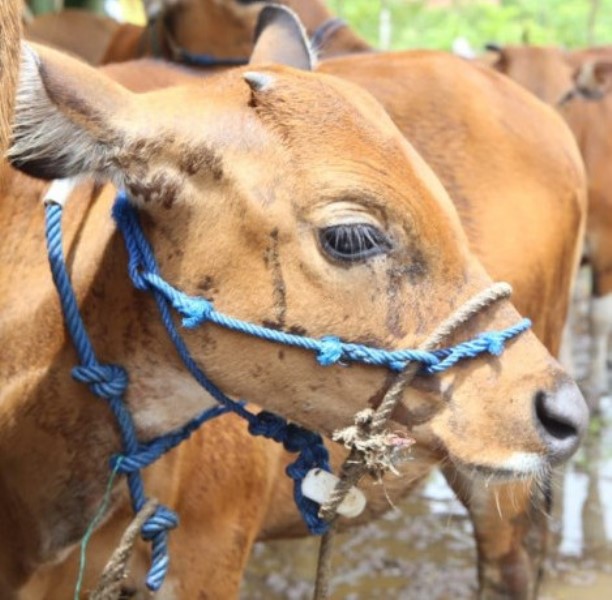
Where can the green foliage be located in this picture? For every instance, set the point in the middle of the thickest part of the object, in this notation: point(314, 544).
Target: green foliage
point(43, 6)
point(559, 22)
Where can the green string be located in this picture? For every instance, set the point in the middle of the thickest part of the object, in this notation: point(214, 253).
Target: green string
point(94, 523)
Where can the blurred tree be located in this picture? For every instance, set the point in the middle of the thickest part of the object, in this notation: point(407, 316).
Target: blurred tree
point(595, 6)
point(42, 6)
point(421, 24)
point(97, 5)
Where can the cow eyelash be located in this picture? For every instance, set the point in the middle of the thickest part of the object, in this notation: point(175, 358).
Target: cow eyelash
point(353, 242)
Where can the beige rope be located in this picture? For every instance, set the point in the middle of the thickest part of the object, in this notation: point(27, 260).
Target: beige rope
point(116, 570)
point(370, 450)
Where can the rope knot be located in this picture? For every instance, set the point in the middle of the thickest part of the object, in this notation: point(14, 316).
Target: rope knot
point(195, 311)
point(494, 342)
point(330, 350)
point(106, 381)
point(380, 452)
point(161, 521)
point(269, 425)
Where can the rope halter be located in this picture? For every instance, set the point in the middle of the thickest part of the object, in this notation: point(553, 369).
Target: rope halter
point(110, 381)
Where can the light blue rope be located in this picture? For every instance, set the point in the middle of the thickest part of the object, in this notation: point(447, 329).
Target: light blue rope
point(329, 350)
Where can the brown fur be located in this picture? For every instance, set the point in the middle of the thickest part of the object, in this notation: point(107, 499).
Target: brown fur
point(476, 198)
point(80, 33)
point(10, 29)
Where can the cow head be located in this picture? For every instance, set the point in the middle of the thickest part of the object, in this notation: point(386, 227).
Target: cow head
point(593, 78)
point(290, 199)
point(553, 74)
point(224, 28)
point(545, 71)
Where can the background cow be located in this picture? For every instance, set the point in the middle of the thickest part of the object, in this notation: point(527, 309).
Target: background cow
point(549, 73)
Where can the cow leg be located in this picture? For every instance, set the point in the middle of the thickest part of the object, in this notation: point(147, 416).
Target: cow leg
point(510, 527)
point(601, 331)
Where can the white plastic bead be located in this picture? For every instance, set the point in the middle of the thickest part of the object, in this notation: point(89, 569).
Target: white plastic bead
point(59, 191)
point(318, 486)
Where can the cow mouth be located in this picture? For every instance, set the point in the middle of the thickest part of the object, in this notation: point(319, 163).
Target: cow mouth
point(518, 468)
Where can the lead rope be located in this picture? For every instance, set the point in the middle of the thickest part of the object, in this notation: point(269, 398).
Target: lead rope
point(368, 452)
point(116, 570)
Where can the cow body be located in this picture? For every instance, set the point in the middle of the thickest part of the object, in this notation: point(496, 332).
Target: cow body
point(547, 72)
point(507, 559)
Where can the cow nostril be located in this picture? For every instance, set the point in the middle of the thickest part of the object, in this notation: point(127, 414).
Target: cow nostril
point(555, 423)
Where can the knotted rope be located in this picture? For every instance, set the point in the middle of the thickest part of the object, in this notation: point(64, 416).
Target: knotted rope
point(369, 452)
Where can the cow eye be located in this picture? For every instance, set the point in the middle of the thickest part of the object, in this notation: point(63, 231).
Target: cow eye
point(353, 242)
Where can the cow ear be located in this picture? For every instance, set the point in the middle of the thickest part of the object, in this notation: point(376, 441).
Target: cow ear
point(66, 117)
point(280, 38)
point(494, 56)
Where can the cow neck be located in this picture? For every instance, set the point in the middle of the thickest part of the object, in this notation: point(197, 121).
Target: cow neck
point(55, 437)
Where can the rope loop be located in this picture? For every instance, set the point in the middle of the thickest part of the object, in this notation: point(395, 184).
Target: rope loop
point(106, 381)
point(160, 522)
point(196, 312)
point(155, 530)
point(312, 454)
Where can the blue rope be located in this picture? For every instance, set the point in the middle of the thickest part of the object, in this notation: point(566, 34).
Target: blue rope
point(207, 60)
point(110, 381)
point(329, 350)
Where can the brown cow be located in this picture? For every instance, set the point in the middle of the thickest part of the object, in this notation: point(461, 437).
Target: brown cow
point(336, 145)
point(80, 33)
point(549, 73)
point(420, 92)
point(223, 30)
point(10, 27)
point(101, 40)
point(522, 168)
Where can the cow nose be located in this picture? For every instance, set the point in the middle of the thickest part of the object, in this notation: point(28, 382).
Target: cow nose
point(562, 417)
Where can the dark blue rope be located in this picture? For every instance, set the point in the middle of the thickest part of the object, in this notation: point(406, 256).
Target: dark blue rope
point(207, 60)
point(110, 382)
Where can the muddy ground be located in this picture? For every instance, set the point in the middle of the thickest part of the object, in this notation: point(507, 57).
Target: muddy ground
point(425, 550)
